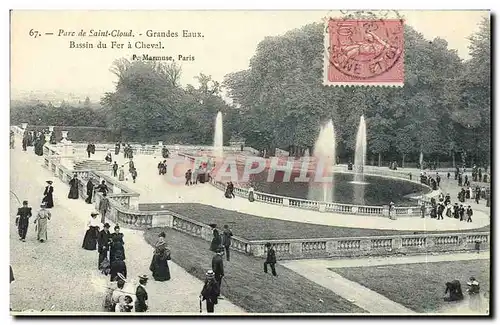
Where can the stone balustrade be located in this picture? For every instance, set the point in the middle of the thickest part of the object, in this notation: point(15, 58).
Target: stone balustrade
point(373, 246)
point(321, 206)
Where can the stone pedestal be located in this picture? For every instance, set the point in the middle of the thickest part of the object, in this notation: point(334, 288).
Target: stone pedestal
point(134, 203)
point(116, 189)
point(47, 138)
point(322, 207)
point(286, 202)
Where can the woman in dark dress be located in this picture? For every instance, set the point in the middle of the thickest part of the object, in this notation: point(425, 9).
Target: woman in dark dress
point(216, 241)
point(90, 191)
point(90, 239)
point(117, 244)
point(159, 265)
point(73, 189)
point(48, 198)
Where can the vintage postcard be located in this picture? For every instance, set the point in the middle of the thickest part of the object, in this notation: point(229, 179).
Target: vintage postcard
point(297, 162)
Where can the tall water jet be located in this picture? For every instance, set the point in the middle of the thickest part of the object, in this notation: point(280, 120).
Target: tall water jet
point(324, 154)
point(360, 153)
point(218, 137)
point(421, 160)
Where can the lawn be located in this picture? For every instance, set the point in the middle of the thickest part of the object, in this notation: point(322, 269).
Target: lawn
point(253, 227)
point(419, 287)
point(246, 285)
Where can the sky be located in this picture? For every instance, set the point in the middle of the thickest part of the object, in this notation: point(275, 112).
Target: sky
point(47, 63)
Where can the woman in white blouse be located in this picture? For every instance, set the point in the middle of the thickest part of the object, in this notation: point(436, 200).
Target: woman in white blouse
point(90, 239)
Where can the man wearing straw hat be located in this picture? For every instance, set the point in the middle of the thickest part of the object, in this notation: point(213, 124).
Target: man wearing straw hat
point(210, 291)
point(141, 303)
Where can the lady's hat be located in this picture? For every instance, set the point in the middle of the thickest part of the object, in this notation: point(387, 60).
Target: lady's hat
point(43, 204)
point(49, 182)
point(213, 225)
point(121, 277)
point(210, 274)
point(162, 234)
point(94, 213)
point(143, 277)
point(106, 225)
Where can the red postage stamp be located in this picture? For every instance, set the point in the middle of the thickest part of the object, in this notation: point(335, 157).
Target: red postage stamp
point(364, 52)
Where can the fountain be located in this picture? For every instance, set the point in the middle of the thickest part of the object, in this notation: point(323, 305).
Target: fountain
point(324, 154)
point(218, 137)
point(421, 160)
point(360, 153)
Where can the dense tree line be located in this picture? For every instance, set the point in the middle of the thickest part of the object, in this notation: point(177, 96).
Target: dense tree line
point(39, 113)
point(443, 110)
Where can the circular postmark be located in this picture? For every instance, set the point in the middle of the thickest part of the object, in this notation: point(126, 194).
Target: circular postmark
point(364, 48)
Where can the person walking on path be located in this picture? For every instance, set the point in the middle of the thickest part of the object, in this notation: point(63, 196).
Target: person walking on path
point(41, 223)
point(90, 191)
point(117, 244)
point(271, 259)
point(103, 243)
point(210, 291)
point(73, 188)
point(90, 239)
point(469, 214)
point(216, 240)
point(133, 173)
point(159, 265)
point(115, 169)
point(121, 174)
point(422, 210)
point(48, 197)
point(22, 220)
point(218, 266)
point(118, 266)
point(227, 235)
point(438, 179)
point(141, 303)
point(104, 207)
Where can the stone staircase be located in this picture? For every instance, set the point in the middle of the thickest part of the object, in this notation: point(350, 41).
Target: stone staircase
point(98, 165)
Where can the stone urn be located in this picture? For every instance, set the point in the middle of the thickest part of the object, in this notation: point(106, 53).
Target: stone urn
point(64, 136)
point(160, 143)
point(47, 137)
point(24, 126)
point(51, 128)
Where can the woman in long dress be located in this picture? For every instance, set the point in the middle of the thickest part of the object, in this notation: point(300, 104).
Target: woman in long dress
point(73, 190)
point(48, 195)
point(117, 244)
point(160, 245)
point(121, 174)
point(41, 223)
point(159, 265)
point(90, 239)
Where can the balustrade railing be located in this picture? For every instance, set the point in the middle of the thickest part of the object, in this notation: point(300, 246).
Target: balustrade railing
point(317, 205)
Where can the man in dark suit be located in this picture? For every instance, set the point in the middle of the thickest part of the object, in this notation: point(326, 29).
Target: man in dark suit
point(22, 220)
point(271, 259)
point(103, 243)
point(210, 292)
point(218, 266)
point(141, 304)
